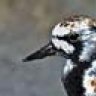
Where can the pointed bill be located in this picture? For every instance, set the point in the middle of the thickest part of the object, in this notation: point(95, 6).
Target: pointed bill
point(47, 50)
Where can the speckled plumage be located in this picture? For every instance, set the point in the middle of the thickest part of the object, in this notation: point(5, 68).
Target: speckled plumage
point(75, 39)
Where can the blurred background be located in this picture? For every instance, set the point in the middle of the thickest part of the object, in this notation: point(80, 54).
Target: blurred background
point(25, 26)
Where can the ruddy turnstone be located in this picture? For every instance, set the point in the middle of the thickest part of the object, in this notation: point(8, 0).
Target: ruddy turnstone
point(75, 39)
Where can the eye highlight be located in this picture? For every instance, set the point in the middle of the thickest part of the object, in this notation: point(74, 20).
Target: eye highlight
point(73, 37)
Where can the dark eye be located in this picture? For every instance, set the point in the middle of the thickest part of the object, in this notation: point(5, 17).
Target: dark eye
point(73, 37)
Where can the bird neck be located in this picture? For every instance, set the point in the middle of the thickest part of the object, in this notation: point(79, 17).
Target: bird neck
point(88, 51)
point(85, 52)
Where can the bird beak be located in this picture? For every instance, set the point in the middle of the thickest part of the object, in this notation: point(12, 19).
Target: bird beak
point(47, 50)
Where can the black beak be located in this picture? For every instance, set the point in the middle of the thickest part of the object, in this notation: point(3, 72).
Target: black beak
point(47, 50)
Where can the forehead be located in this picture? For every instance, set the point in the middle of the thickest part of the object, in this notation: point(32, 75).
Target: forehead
point(73, 25)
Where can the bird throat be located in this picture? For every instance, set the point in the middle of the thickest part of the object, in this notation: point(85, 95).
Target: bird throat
point(75, 55)
point(73, 81)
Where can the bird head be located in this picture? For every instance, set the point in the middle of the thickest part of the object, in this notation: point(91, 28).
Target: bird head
point(75, 37)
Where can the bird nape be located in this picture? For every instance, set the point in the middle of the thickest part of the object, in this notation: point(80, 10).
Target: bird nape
point(74, 38)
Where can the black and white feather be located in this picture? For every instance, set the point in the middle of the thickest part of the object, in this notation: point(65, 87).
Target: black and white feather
point(75, 39)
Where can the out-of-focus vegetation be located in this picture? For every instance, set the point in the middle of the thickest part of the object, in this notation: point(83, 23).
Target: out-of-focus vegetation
point(43, 13)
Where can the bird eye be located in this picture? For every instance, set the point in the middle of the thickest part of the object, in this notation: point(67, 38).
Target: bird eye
point(73, 37)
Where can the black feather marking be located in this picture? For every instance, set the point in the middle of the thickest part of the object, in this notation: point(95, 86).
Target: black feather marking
point(73, 82)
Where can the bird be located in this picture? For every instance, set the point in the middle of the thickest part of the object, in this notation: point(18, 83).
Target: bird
point(73, 38)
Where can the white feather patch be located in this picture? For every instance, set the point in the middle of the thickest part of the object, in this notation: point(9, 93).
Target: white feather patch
point(60, 30)
point(64, 45)
point(68, 67)
point(87, 51)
